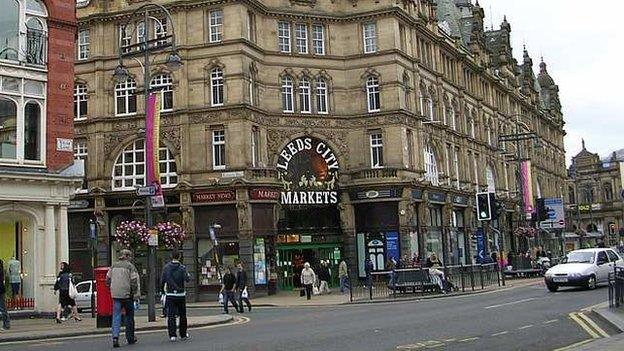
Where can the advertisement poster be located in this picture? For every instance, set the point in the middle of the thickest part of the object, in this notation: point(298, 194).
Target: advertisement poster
point(260, 272)
point(527, 187)
point(481, 247)
point(392, 246)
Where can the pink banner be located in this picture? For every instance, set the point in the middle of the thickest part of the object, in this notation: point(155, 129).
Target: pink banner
point(527, 187)
point(152, 143)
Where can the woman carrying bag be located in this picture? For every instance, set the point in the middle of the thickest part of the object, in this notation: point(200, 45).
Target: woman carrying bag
point(67, 293)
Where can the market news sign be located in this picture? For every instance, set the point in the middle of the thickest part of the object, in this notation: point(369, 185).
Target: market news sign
point(308, 170)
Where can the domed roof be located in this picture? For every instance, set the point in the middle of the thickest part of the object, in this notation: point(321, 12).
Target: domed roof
point(544, 79)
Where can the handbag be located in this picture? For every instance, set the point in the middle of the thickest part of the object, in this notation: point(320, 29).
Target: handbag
point(302, 293)
point(73, 293)
point(245, 294)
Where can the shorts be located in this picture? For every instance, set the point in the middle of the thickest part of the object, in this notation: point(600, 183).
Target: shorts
point(65, 300)
point(15, 288)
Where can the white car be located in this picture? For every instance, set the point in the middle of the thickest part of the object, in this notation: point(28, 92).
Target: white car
point(587, 268)
point(83, 300)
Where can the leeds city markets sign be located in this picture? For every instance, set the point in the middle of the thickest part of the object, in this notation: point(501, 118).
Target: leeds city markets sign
point(308, 170)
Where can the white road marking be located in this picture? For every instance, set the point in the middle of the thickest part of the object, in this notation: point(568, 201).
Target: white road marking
point(575, 345)
point(469, 339)
point(501, 333)
point(525, 327)
point(550, 321)
point(510, 303)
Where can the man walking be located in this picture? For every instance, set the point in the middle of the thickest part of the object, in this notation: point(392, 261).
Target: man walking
point(173, 278)
point(343, 274)
point(324, 277)
point(241, 288)
point(227, 290)
point(123, 280)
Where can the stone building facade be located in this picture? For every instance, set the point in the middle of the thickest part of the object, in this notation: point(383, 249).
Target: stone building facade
point(314, 130)
point(594, 203)
point(37, 175)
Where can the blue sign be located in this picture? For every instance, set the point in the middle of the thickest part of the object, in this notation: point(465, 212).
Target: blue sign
point(392, 246)
point(481, 246)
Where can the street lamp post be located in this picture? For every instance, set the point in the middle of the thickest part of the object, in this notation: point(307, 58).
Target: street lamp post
point(93, 240)
point(121, 74)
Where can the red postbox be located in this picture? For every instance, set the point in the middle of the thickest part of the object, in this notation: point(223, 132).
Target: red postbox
point(104, 299)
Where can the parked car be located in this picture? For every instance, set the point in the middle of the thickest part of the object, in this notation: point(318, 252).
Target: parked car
point(83, 300)
point(587, 268)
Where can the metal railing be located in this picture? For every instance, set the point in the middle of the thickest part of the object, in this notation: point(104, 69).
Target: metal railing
point(391, 284)
point(616, 287)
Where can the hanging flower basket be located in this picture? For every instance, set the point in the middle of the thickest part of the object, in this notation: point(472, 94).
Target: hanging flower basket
point(171, 235)
point(526, 232)
point(131, 234)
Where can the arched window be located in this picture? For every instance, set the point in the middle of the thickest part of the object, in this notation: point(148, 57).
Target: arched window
point(372, 93)
point(489, 179)
point(216, 87)
point(29, 14)
point(304, 95)
point(129, 168)
point(321, 96)
point(32, 131)
point(80, 101)
point(8, 129)
point(431, 166)
point(125, 98)
point(287, 94)
point(164, 84)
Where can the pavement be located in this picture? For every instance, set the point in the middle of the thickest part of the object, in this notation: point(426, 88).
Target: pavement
point(522, 317)
point(46, 328)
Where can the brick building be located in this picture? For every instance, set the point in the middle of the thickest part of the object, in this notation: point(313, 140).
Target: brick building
point(37, 175)
point(313, 130)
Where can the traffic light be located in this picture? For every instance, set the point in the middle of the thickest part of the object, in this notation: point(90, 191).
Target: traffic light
point(498, 207)
point(484, 207)
point(541, 211)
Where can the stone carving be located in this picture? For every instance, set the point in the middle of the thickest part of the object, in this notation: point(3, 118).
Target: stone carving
point(172, 135)
point(125, 126)
point(204, 118)
point(113, 140)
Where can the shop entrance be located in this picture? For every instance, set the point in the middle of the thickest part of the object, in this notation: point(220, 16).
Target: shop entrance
point(16, 250)
point(291, 258)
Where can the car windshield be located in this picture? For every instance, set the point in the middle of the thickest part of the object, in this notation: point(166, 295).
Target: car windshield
point(580, 257)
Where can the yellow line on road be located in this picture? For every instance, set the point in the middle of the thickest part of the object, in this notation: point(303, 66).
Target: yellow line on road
point(580, 322)
point(501, 333)
point(594, 325)
point(575, 345)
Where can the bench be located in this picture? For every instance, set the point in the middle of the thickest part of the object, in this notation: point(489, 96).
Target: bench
point(413, 279)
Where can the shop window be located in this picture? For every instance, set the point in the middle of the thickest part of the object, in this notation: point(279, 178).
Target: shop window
point(376, 253)
point(214, 259)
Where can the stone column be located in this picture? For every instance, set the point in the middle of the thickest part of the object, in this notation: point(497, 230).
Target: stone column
point(245, 236)
point(347, 224)
point(405, 217)
point(50, 261)
point(62, 235)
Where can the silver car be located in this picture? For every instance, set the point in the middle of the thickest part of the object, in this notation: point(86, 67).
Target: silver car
point(83, 299)
point(586, 268)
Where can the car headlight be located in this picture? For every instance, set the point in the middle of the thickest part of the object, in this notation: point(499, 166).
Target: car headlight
point(574, 275)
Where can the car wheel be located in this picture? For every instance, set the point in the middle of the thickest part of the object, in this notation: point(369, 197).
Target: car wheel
point(552, 287)
point(591, 283)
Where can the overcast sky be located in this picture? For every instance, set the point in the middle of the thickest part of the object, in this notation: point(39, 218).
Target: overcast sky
point(581, 43)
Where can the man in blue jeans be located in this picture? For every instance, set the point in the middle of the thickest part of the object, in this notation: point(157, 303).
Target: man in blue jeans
point(174, 277)
point(123, 280)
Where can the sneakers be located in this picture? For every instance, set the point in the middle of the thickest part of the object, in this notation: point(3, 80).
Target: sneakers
point(173, 339)
point(133, 341)
point(185, 337)
point(115, 342)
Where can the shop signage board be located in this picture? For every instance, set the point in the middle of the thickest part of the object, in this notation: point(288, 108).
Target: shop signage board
point(436, 197)
point(556, 214)
point(214, 196)
point(371, 194)
point(308, 170)
point(264, 194)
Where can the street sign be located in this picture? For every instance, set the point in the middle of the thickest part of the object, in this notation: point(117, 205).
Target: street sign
point(152, 240)
point(556, 214)
point(481, 247)
point(149, 190)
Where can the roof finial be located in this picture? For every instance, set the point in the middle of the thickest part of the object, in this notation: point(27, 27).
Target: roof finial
point(583, 142)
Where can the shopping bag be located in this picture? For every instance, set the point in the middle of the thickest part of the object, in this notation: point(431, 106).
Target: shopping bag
point(245, 294)
point(316, 291)
point(220, 298)
point(163, 299)
point(73, 293)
